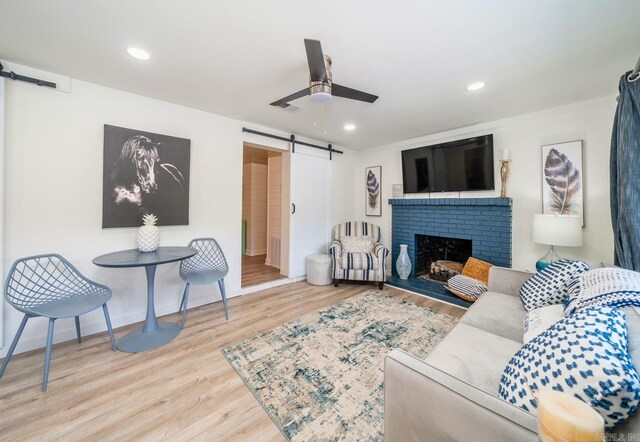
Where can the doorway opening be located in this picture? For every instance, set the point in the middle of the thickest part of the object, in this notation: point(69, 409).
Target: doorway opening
point(264, 202)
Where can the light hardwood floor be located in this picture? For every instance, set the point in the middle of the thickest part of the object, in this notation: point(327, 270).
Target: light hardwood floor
point(184, 390)
point(255, 271)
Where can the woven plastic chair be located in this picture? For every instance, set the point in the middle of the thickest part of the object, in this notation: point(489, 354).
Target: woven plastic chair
point(51, 287)
point(206, 267)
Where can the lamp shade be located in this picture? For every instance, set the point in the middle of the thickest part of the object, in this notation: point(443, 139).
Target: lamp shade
point(557, 230)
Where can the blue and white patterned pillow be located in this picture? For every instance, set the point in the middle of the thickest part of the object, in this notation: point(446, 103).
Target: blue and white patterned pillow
point(549, 286)
point(612, 287)
point(585, 355)
point(469, 287)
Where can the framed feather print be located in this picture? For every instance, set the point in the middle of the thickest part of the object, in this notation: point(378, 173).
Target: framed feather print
point(562, 175)
point(373, 190)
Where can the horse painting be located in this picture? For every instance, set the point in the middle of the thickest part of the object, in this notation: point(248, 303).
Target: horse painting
point(140, 182)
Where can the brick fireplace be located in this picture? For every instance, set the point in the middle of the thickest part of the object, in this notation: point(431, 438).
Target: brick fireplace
point(484, 222)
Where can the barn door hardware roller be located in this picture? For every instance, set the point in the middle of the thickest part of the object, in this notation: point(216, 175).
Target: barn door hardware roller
point(293, 142)
point(13, 76)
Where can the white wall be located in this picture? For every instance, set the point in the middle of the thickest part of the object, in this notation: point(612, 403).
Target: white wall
point(343, 185)
point(590, 121)
point(54, 189)
point(53, 192)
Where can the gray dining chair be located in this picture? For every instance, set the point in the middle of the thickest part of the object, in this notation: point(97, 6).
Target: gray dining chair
point(206, 267)
point(50, 286)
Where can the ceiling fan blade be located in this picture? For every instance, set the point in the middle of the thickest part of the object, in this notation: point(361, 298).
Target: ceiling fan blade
point(353, 94)
point(283, 102)
point(317, 68)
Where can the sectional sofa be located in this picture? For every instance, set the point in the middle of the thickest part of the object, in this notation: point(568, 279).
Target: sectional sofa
point(452, 395)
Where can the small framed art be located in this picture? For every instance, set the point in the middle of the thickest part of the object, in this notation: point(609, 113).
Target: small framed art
point(373, 190)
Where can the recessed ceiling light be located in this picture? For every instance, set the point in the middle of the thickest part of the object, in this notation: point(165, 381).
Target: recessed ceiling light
point(138, 53)
point(349, 127)
point(476, 86)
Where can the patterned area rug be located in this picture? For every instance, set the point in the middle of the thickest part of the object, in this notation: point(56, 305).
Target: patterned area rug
point(321, 375)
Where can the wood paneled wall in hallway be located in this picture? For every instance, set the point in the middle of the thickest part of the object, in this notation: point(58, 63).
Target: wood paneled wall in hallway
point(274, 208)
point(254, 207)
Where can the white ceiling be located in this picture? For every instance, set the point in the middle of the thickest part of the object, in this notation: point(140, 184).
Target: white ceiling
point(235, 57)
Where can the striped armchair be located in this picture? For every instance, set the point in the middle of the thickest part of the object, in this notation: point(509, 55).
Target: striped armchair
point(358, 266)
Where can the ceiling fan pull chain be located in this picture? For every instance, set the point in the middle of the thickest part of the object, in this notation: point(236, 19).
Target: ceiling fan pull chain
point(325, 118)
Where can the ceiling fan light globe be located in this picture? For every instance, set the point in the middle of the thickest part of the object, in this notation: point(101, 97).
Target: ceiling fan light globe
point(320, 97)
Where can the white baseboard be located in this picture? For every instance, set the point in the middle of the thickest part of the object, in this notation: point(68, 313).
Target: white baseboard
point(271, 284)
point(66, 328)
point(256, 252)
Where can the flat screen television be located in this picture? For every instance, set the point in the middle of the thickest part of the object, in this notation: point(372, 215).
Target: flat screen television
point(449, 167)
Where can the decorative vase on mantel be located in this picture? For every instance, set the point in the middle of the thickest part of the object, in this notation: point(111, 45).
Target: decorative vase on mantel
point(148, 238)
point(403, 263)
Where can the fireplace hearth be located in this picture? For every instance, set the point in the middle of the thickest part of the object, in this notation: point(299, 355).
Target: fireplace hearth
point(440, 258)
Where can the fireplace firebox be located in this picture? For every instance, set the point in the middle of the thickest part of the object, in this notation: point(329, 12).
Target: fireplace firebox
point(439, 258)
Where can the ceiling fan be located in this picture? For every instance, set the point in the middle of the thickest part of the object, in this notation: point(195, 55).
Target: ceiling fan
point(321, 86)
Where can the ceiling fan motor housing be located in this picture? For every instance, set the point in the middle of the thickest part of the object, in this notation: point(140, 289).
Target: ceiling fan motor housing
point(319, 92)
point(319, 86)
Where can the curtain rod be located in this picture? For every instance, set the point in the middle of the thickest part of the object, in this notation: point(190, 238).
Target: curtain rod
point(635, 74)
point(293, 141)
point(12, 75)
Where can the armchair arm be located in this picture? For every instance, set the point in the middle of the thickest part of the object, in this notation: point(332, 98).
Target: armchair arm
point(335, 249)
point(379, 247)
point(381, 252)
point(424, 403)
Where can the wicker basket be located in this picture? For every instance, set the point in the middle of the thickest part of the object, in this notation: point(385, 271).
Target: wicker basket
point(477, 269)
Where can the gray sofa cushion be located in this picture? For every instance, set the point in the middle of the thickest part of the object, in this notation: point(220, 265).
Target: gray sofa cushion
point(507, 281)
point(497, 313)
point(474, 356)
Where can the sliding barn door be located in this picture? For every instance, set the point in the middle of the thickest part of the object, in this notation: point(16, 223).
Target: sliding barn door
point(310, 219)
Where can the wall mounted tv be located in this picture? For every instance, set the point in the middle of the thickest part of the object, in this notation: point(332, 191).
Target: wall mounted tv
point(449, 167)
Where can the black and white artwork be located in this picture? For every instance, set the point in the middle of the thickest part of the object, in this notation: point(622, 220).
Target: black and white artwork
point(144, 173)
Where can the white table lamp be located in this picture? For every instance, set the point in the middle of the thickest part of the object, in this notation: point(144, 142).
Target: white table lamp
point(555, 230)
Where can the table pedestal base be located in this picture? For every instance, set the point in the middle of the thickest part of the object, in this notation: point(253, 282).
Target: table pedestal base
point(139, 340)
